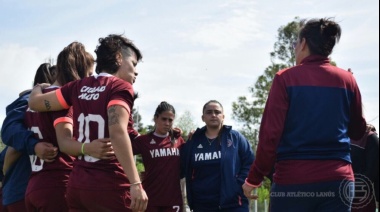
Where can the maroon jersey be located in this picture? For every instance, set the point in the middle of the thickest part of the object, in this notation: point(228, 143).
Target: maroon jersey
point(48, 174)
point(90, 98)
point(161, 160)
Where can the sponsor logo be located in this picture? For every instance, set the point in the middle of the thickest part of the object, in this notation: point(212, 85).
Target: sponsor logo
point(207, 156)
point(164, 152)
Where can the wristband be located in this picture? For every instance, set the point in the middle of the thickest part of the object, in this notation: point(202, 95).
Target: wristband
point(251, 185)
point(82, 149)
point(136, 183)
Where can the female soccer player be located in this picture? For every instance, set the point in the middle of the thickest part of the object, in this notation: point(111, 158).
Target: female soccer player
point(312, 111)
point(160, 154)
point(48, 181)
point(102, 106)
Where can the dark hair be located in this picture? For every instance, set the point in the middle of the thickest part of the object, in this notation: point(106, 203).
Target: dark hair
point(73, 63)
point(163, 107)
point(53, 72)
point(44, 74)
point(108, 49)
point(320, 34)
point(209, 102)
point(371, 128)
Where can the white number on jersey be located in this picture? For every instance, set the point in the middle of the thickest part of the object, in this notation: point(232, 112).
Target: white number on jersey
point(176, 207)
point(84, 131)
point(36, 162)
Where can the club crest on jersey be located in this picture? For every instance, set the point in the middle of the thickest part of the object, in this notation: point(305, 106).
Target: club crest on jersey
point(229, 143)
point(200, 146)
point(152, 141)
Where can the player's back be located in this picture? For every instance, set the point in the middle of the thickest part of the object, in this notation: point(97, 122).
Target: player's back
point(47, 174)
point(90, 98)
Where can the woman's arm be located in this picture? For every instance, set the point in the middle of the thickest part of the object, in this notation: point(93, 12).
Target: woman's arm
point(10, 158)
point(118, 117)
point(246, 157)
point(43, 102)
point(13, 131)
point(99, 148)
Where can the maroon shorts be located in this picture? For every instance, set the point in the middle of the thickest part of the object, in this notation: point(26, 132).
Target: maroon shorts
point(46, 199)
point(93, 200)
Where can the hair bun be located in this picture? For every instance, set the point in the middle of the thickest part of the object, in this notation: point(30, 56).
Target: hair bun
point(329, 28)
point(322, 23)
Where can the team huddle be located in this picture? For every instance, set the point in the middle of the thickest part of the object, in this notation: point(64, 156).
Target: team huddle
point(71, 142)
point(80, 140)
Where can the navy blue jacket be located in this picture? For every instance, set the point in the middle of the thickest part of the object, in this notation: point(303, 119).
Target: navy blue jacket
point(236, 159)
point(15, 134)
point(365, 159)
point(13, 130)
point(2, 157)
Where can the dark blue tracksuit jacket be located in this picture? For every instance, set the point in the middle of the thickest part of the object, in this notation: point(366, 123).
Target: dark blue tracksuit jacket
point(15, 134)
point(236, 159)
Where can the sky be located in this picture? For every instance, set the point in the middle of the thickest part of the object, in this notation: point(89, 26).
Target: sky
point(193, 51)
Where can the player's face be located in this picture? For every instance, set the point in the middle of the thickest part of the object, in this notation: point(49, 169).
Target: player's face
point(127, 70)
point(164, 122)
point(213, 115)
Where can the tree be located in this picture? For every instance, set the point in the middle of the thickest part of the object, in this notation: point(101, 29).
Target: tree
point(137, 125)
point(249, 112)
point(148, 128)
point(283, 48)
point(186, 123)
